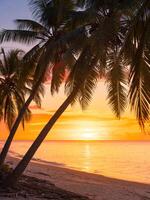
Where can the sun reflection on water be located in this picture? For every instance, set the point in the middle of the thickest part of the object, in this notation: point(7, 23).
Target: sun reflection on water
point(87, 153)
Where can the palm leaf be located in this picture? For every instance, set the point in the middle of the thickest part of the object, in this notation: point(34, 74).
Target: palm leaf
point(83, 76)
point(139, 61)
point(26, 24)
point(139, 92)
point(58, 75)
point(23, 36)
point(117, 85)
point(9, 111)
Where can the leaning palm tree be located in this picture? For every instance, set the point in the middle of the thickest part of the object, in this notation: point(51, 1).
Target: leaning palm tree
point(14, 87)
point(50, 46)
point(12, 92)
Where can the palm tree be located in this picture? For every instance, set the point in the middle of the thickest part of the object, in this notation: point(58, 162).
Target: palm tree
point(12, 93)
point(15, 85)
point(48, 50)
point(103, 50)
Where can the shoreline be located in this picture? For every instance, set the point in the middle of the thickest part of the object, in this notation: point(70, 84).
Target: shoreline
point(96, 187)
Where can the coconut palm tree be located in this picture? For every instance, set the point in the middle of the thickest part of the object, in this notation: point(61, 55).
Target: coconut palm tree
point(104, 48)
point(48, 50)
point(12, 93)
point(15, 85)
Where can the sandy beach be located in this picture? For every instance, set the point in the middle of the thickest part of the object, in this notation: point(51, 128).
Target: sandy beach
point(96, 187)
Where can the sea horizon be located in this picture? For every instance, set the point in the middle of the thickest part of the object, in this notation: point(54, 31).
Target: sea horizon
point(82, 140)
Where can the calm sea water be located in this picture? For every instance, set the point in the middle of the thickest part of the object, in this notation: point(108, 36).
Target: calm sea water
point(122, 160)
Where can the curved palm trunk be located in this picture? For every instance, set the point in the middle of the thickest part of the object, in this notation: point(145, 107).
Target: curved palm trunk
point(17, 122)
point(13, 177)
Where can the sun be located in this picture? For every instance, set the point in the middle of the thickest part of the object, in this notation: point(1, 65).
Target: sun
point(89, 130)
point(88, 134)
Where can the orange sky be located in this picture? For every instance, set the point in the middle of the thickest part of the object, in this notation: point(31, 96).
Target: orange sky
point(96, 123)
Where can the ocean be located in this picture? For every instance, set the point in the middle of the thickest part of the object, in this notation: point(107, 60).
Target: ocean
point(122, 160)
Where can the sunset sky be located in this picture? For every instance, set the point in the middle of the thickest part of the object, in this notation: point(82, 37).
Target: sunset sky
point(96, 123)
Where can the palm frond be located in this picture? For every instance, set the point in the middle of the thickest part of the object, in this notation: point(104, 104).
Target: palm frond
point(9, 112)
point(38, 7)
point(58, 75)
point(26, 117)
point(32, 52)
point(4, 67)
point(50, 12)
point(45, 59)
point(14, 63)
point(23, 36)
point(139, 92)
point(117, 85)
point(89, 87)
point(29, 63)
point(138, 41)
point(26, 24)
point(107, 4)
point(83, 76)
point(85, 17)
point(135, 26)
point(61, 69)
point(40, 93)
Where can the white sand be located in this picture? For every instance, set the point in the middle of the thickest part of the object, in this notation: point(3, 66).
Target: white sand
point(94, 186)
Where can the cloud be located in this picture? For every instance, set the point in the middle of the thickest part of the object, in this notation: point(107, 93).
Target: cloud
point(34, 107)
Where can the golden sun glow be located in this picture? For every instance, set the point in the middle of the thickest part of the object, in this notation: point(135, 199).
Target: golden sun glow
point(88, 136)
point(89, 130)
point(88, 133)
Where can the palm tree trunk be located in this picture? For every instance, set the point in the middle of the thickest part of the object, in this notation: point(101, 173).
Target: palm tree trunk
point(13, 177)
point(17, 122)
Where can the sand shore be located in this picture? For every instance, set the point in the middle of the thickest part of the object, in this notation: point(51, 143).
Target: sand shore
point(95, 187)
